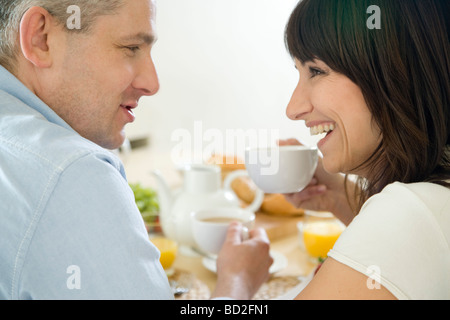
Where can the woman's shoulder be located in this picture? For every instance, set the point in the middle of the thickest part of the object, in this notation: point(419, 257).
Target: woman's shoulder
point(403, 204)
point(422, 201)
point(421, 188)
point(421, 197)
point(404, 230)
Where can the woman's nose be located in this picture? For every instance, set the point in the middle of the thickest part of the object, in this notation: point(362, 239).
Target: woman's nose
point(299, 105)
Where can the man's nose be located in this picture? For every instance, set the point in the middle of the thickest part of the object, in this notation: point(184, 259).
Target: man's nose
point(299, 105)
point(147, 78)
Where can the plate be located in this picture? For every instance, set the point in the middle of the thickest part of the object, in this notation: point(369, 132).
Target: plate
point(279, 263)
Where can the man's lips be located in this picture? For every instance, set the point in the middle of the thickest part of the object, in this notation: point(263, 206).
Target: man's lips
point(129, 109)
point(130, 105)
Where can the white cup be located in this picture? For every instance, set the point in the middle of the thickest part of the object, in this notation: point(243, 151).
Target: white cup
point(284, 169)
point(210, 226)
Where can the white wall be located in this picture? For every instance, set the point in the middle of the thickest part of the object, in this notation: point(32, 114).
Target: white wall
point(224, 63)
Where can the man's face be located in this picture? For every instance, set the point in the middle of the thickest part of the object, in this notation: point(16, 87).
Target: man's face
point(100, 76)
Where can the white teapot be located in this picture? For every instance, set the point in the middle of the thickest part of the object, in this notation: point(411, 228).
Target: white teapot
point(201, 190)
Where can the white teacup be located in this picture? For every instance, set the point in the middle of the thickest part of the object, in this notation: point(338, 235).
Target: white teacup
point(210, 226)
point(284, 169)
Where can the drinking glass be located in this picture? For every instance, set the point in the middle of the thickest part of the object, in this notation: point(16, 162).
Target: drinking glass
point(318, 233)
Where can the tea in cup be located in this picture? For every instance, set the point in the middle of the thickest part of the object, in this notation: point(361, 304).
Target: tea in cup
point(283, 169)
point(210, 227)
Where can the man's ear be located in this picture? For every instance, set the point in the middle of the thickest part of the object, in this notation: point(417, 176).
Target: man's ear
point(35, 26)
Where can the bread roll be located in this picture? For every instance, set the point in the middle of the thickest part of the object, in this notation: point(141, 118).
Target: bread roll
point(275, 204)
point(227, 163)
point(244, 189)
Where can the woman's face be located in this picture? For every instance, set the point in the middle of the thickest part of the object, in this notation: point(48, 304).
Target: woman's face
point(331, 103)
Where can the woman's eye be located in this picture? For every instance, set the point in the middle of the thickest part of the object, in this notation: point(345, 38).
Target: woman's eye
point(315, 72)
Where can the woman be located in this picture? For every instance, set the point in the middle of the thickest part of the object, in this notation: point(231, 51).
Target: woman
point(382, 96)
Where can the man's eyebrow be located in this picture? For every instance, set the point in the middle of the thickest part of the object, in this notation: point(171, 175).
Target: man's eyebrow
point(140, 37)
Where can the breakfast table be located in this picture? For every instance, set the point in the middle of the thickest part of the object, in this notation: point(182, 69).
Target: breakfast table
point(195, 273)
point(291, 274)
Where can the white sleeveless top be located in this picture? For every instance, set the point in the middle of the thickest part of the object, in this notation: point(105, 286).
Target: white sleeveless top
point(401, 238)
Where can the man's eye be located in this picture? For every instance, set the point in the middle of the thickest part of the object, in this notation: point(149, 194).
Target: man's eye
point(133, 49)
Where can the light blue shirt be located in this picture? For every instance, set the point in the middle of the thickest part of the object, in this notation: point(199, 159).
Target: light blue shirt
point(69, 226)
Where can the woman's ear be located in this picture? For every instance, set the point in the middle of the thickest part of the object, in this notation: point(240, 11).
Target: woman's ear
point(34, 31)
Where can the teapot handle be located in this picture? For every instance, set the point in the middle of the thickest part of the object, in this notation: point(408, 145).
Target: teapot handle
point(259, 194)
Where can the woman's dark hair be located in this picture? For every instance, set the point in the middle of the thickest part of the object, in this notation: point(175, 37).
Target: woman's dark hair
point(402, 70)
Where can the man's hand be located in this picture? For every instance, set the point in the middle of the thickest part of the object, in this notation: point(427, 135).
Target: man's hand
point(242, 266)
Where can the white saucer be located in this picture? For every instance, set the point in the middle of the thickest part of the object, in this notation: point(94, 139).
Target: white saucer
point(279, 263)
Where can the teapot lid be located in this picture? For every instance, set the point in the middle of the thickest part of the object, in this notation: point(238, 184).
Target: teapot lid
point(201, 178)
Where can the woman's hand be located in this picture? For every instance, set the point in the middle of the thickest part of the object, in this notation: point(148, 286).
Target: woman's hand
point(242, 266)
point(325, 192)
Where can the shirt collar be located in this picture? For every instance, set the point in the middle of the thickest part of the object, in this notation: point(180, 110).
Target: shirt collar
point(13, 86)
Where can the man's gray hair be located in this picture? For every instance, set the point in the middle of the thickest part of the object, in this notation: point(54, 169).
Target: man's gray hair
point(11, 12)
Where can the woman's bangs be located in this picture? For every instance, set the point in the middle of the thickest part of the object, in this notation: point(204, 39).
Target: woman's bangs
point(295, 37)
point(307, 37)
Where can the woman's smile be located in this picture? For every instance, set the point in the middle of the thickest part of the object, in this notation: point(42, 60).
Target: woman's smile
point(331, 104)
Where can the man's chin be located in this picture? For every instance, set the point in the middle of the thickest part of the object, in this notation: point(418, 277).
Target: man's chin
point(116, 145)
point(112, 143)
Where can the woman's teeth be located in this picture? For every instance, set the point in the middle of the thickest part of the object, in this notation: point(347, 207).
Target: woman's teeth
point(321, 129)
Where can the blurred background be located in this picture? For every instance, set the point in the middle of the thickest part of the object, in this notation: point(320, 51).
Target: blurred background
point(223, 67)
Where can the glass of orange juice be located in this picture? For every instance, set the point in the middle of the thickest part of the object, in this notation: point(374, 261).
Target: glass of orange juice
point(319, 231)
point(168, 249)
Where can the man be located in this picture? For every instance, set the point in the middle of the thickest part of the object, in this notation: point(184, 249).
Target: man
point(70, 228)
